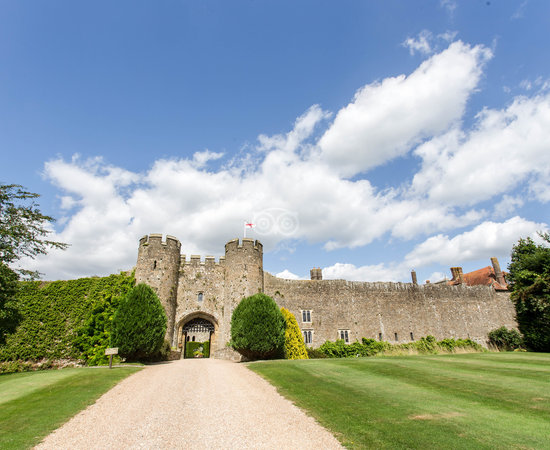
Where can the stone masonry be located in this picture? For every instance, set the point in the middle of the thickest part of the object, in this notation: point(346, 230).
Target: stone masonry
point(325, 309)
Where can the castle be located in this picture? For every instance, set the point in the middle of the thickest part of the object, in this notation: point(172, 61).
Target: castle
point(200, 296)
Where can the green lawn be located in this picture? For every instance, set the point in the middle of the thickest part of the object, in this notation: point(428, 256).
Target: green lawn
point(33, 404)
point(463, 401)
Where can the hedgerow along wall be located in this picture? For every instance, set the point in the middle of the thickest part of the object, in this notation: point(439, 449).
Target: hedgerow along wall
point(58, 320)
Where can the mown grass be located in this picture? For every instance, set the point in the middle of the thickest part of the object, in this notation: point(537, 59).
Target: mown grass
point(33, 404)
point(465, 401)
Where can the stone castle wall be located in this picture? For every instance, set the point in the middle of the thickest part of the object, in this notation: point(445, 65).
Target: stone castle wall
point(395, 312)
point(368, 309)
point(198, 277)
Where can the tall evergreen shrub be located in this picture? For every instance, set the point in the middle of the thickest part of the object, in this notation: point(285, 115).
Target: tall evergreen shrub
point(139, 324)
point(294, 342)
point(257, 328)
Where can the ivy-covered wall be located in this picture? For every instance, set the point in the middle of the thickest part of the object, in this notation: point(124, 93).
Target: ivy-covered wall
point(65, 319)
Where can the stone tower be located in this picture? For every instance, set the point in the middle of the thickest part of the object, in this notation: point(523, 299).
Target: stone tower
point(158, 266)
point(244, 275)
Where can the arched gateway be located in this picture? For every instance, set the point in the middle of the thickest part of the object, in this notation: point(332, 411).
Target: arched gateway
point(196, 337)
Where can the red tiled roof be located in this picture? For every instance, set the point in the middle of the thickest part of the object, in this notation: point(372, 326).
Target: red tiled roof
point(481, 277)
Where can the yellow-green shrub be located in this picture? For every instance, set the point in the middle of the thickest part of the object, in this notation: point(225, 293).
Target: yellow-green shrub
point(294, 343)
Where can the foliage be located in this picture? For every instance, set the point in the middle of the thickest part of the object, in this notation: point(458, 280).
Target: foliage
point(139, 324)
point(454, 401)
point(339, 349)
point(95, 335)
point(9, 314)
point(315, 353)
point(529, 280)
point(57, 318)
point(23, 228)
point(294, 347)
point(192, 349)
point(372, 347)
point(505, 339)
point(32, 405)
point(16, 366)
point(257, 328)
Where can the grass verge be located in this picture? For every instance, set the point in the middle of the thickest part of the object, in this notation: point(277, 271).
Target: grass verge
point(33, 404)
point(465, 401)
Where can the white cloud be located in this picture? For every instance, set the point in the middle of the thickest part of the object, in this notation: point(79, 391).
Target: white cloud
point(420, 44)
point(303, 128)
point(505, 148)
point(201, 159)
point(377, 272)
point(520, 11)
point(449, 5)
point(487, 238)
point(437, 276)
point(108, 208)
point(288, 275)
point(386, 119)
point(507, 205)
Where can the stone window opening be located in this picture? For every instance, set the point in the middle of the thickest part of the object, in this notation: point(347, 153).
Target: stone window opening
point(308, 337)
point(344, 335)
point(200, 297)
point(306, 316)
point(412, 336)
point(380, 336)
point(395, 334)
point(154, 264)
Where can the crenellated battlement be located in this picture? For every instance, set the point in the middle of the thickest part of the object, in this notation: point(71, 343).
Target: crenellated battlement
point(195, 261)
point(245, 244)
point(156, 239)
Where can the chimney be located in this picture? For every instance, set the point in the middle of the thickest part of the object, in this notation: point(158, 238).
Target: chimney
point(316, 273)
point(413, 276)
point(454, 273)
point(459, 274)
point(498, 273)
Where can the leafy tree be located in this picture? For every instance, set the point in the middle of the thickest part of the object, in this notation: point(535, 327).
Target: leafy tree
point(294, 342)
point(9, 315)
point(529, 281)
point(139, 324)
point(257, 328)
point(23, 228)
point(22, 233)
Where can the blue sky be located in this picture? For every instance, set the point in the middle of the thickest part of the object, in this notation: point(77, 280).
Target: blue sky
point(366, 138)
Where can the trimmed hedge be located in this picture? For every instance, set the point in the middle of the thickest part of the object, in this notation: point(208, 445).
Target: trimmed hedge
point(372, 347)
point(257, 328)
point(294, 342)
point(57, 318)
point(139, 324)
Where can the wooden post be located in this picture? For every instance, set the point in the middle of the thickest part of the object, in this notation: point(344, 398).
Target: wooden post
point(110, 352)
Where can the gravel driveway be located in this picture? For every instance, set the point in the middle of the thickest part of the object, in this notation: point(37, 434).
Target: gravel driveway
point(191, 404)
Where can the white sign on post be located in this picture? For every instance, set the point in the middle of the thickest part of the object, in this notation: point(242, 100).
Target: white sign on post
point(110, 352)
